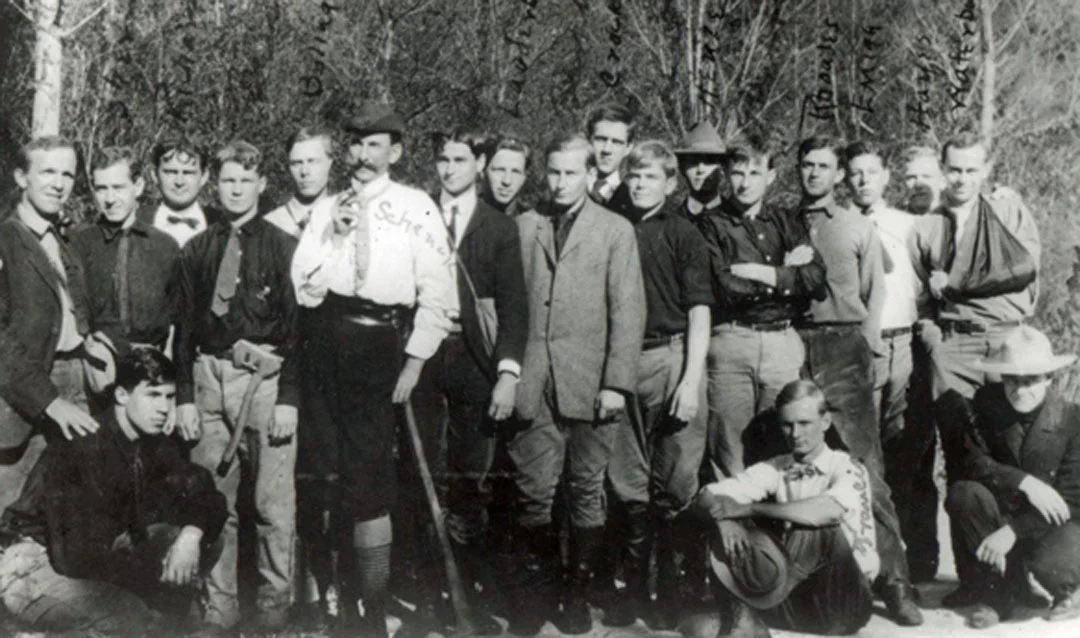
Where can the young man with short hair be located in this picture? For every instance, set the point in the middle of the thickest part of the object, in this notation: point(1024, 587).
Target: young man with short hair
point(371, 259)
point(766, 273)
point(114, 522)
point(1014, 507)
point(505, 175)
point(804, 557)
point(657, 454)
point(128, 263)
point(842, 336)
point(181, 169)
point(586, 321)
point(610, 131)
point(232, 287)
point(310, 153)
point(44, 313)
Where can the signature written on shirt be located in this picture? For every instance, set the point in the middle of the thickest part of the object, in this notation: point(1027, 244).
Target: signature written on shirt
point(420, 230)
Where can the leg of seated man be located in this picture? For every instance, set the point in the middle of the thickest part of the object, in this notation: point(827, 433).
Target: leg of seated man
point(43, 600)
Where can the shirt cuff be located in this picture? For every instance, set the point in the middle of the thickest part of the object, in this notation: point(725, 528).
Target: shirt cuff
point(423, 344)
point(511, 366)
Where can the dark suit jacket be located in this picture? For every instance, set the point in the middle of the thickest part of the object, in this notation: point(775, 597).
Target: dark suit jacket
point(997, 454)
point(29, 328)
point(586, 311)
point(490, 251)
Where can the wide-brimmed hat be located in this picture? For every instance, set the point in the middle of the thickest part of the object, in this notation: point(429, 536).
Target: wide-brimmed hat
point(702, 140)
point(759, 581)
point(1025, 351)
point(375, 117)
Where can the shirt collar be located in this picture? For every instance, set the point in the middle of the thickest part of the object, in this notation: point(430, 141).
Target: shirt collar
point(964, 209)
point(191, 211)
point(612, 179)
point(252, 226)
point(830, 208)
point(658, 213)
point(33, 220)
point(111, 232)
point(695, 207)
point(375, 187)
point(466, 202)
point(821, 461)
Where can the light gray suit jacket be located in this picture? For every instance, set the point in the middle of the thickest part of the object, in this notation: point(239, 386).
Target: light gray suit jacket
point(586, 311)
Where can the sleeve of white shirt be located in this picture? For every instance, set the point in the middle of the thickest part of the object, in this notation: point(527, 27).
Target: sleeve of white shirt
point(757, 483)
point(310, 272)
point(435, 285)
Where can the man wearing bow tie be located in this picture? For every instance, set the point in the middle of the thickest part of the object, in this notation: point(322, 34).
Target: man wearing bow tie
point(43, 313)
point(371, 259)
point(311, 156)
point(794, 535)
point(181, 170)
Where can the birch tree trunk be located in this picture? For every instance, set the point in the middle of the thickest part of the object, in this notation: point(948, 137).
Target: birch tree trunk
point(48, 59)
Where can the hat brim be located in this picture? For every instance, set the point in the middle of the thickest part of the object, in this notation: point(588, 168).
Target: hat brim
point(703, 152)
point(1052, 364)
point(768, 600)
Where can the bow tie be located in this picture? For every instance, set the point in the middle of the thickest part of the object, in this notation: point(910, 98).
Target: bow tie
point(178, 219)
point(800, 471)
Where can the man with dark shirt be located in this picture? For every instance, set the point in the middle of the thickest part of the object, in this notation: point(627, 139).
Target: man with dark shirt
point(233, 284)
point(128, 263)
point(842, 337)
point(765, 273)
point(114, 522)
point(701, 159)
point(657, 454)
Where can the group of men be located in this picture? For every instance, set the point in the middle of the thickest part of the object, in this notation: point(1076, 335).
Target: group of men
point(640, 355)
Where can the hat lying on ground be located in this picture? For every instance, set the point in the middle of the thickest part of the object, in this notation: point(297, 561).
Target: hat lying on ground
point(760, 580)
point(1025, 351)
point(702, 140)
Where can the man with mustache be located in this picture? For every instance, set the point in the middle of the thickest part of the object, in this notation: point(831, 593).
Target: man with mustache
point(44, 313)
point(181, 170)
point(842, 335)
point(232, 286)
point(310, 153)
point(370, 260)
point(116, 523)
point(506, 174)
point(1015, 503)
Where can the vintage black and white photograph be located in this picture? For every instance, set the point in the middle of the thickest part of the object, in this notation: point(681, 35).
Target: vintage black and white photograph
point(607, 318)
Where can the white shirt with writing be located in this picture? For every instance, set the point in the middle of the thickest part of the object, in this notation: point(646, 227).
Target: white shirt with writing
point(832, 473)
point(409, 261)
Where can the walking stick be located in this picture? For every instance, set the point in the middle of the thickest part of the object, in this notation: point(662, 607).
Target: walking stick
point(462, 613)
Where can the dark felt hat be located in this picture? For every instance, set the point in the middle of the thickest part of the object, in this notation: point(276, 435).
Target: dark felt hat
point(760, 581)
point(702, 140)
point(375, 117)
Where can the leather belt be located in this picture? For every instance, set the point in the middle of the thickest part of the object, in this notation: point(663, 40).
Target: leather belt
point(889, 333)
point(363, 312)
point(649, 343)
point(969, 327)
point(764, 326)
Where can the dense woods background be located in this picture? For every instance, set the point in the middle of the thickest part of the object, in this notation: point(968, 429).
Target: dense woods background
point(128, 71)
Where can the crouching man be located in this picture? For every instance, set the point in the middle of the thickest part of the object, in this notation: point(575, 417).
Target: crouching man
point(1015, 505)
point(115, 523)
point(795, 547)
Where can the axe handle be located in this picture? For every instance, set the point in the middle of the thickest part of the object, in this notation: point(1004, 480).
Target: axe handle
point(241, 423)
point(453, 577)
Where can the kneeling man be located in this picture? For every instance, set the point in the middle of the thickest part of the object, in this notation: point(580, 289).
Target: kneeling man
point(115, 522)
point(1015, 505)
point(796, 532)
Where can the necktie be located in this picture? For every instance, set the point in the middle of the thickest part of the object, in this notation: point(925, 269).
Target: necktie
point(228, 275)
point(451, 226)
point(179, 219)
point(300, 220)
point(561, 224)
point(361, 237)
point(76, 290)
point(600, 192)
point(123, 289)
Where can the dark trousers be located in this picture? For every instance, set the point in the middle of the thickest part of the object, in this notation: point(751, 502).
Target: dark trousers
point(840, 362)
point(827, 592)
point(1052, 557)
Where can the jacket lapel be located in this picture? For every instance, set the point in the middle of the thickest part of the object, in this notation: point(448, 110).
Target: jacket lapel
point(38, 259)
point(479, 216)
point(1042, 431)
point(581, 229)
point(545, 234)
